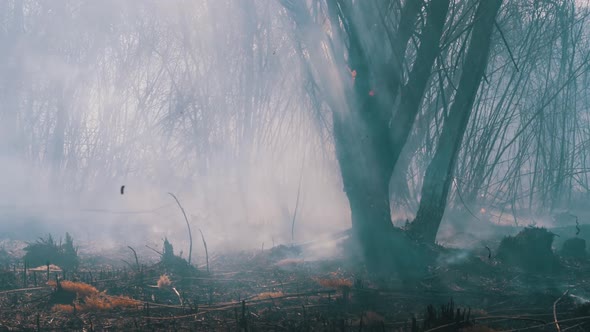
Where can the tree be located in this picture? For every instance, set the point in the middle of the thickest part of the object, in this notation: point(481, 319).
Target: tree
point(439, 174)
point(371, 130)
point(368, 149)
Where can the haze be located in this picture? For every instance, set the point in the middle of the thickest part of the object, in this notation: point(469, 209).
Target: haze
point(213, 101)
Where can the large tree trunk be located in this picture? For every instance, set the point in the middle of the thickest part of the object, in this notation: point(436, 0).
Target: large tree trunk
point(368, 149)
point(368, 134)
point(439, 174)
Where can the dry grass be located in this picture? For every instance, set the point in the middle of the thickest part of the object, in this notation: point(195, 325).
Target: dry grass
point(63, 308)
point(43, 268)
point(98, 302)
point(164, 281)
point(90, 299)
point(268, 295)
point(289, 262)
point(81, 289)
point(338, 283)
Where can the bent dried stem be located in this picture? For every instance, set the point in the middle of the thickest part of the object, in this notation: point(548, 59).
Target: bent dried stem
point(190, 235)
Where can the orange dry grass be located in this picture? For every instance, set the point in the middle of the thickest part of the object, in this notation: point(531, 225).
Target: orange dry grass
point(123, 302)
point(339, 283)
point(81, 289)
point(105, 302)
point(164, 281)
point(95, 302)
point(268, 295)
point(99, 302)
point(90, 299)
point(63, 308)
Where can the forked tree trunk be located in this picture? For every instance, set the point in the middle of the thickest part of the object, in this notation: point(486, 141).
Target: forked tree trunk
point(439, 174)
point(368, 149)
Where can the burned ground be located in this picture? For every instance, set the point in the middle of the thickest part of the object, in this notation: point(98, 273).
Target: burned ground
point(278, 289)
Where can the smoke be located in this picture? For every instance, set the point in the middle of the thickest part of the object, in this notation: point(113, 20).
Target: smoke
point(202, 99)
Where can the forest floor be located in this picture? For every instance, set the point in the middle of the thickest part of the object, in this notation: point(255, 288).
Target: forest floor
point(278, 290)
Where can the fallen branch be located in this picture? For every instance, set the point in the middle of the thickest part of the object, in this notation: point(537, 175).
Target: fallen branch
point(23, 290)
point(179, 297)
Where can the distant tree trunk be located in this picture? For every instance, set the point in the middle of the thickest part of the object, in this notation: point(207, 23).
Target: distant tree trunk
point(439, 174)
point(11, 81)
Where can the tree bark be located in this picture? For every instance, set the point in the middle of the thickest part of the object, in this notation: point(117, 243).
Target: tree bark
point(439, 174)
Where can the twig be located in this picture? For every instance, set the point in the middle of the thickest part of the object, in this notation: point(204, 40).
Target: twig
point(543, 325)
point(555, 310)
point(156, 251)
point(23, 290)
point(126, 262)
point(206, 251)
point(190, 235)
point(506, 43)
point(179, 297)
point(135, 255)
point(528, 319)
point(463, 202)
point(574, 326)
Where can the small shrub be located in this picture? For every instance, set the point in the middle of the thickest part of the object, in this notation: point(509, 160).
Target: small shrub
point(175, 264)
point(48, 251)
point(531, 250)
point(574, 248)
